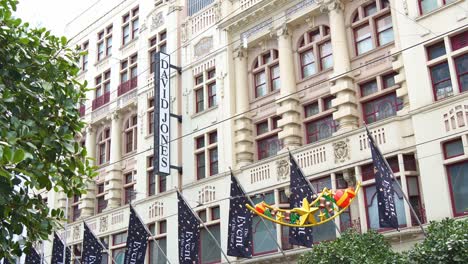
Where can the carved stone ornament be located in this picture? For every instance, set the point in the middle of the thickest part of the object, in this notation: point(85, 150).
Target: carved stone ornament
point(341, 151)
point(103, 224)
point(157, 20)
point(203, 47)
point(76, 232)
point(282, 169)
point(329, 5)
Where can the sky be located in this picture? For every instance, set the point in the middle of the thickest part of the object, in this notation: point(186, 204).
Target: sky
point(52, 14)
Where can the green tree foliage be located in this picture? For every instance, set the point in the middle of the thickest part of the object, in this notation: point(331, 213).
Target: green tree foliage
point(38, 121)
point(352, 247)
point(446, 242)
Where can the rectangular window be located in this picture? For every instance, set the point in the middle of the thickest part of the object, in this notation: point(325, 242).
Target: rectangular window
point(327, 102)
point(150, 116)
point(268, 147)
point(84, 57)
point(215, 213)
point(262, 127)
point(275, 77)
point(130, 26)
point(260, 84)
point(120, 238)
point(370, 9)
point(200, 142)
point(458, 184)
point(363, 39)
point(384, 30)
point(213, 137)
point(459, 41)
point(320, 129)
point(210, 253)
point(436, 50)
point(441, 83)
point(453, 148)
point(262, 241)
point(308, 63)
point(326, 231)
point(212, 101)
point(162, 183)
point(200, 100)
point(193, 6)
point(311, 109)
point(151, 177)
point(388, 80)
point(368, 88)
point(381, 108)
point(213, 153)
point(326, 55)
point(201, 165)
point(426, 6)
point(461, 66)
point(202, 215)
point(156, 256)
point(415, 200)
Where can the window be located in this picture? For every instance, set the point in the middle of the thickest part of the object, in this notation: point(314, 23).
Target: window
point(458, 183)
point(104, 43)
point(210, 253)
point(206, 156)
point(262, 241)
point(150, 176)
point(267, 140)
point(440, 68)
point(414, 198)
point(375, 15)
point(150, 114)
point(320, 129)
point(157, 43)
point(76, 212)
point(265, 65)
point(77, 254)
point(104, 141)
point(130, 133)
point(101, 201)
point(326, 231)
point(128, 74)
point(84, 58)
point(118, 247)
point(102, 83)
point(315, 44)
point(426, 6)
point(379, 98)
point(205, 85)
point(156, 254)
point(311, 109)
point(453, 148)
point(193, 6)
point(130, 26)
point(128, 187)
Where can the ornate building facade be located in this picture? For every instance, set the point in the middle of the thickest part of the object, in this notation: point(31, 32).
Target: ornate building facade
point(260, 78)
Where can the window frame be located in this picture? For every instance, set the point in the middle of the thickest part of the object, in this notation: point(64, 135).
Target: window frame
point(307, 44)
point(204, 146)
point(157, 43)
point(128, 20)
point(104, 139)
point(130, 129)
point(205, 97)
point(449, 181)
point(271, 133)
point(104, 38)
point(261, 65)
point(444, 148)
point(129, 186)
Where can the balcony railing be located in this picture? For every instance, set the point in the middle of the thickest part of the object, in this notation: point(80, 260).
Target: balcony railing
point(127, 86)
point(101, 100)
point(82, 110)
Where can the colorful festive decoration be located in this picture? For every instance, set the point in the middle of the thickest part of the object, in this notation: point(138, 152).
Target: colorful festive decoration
point(325, 207)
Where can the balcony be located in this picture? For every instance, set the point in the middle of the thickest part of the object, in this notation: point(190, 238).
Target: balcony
point(101, 100)
point(127, 86)
point(82, 110)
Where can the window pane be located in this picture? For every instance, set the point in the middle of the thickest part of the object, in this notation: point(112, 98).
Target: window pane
point(156, 255)
point(441, 80)
point(275, 77)
point(458, 175)
point(453, 148)
point(320, 129)
point(459, 41)
point(262, 128)
point(389, 80)
point(210, 252)
point(308, 63)
point(372, 209)
point(201, 165)
point(325, 231)
point(386, 36)
point(260, 84)
point(369, 88)
point(381, 108)
point(262, 241)
point(326, 55)
point(370, 9)
point(436, 50)
point(363, 39)
point(268, 147)
point(427, 5)
point(311, 109)
point(461, 64)
point(119, 255)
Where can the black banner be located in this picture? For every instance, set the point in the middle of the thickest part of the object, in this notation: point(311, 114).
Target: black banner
point(33, 257)
point(384, 187)
point(92, 248)
point(57, 251)
point(301, 236)
point(189, 234)
point(240, 223)
point(137, 240)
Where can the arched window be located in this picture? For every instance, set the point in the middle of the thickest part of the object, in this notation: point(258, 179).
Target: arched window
point(315, 51)
point(104, 141)
point(131, 134)
point(265, 65)
point(372, 26)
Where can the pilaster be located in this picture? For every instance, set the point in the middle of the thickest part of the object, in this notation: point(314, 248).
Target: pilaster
point(114, 172)
point(343, 85)
point(87, 200)
point(288, 106)
point(243, 135)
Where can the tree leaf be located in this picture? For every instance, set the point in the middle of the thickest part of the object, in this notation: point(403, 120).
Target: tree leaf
point(19, 156)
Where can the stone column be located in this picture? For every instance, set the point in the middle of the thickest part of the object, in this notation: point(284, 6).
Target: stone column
point(87, 200)
point(114, 172)
point(243, 138)
point(343, 86)
point(288, 106)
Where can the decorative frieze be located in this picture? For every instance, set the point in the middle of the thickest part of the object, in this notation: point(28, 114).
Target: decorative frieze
point(260, 173)
point(456, 117)
point(157, 20)
point(207, 194)
point(341, 150)
point(156, 210)
point(299, 6)
point(282, 169)
point(378, 135)
point(257, 28)
point(103, 223)
point(203, 47)
point(312, 157)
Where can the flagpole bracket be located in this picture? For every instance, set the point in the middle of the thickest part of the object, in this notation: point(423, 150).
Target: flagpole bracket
point(178, 168)
point(178, 117)
point(177, 68)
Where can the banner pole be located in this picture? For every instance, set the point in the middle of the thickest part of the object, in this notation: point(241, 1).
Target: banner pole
point(100, 243)
point(311, 187)
point(413, 212)
point(263, 220)
point(152, 237)
point(206, 228)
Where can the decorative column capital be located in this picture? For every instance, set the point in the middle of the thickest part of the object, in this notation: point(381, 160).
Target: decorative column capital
point(283, 30)
point(240, 52)
point(330, 5)
point(114, 115)
point(89, 129)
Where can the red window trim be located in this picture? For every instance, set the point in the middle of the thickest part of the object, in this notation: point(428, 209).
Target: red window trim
point(444, 80)
point(334, 126)
point(323, 57)
point(365, 116)
point(445, 150)
point(160, 187)
point(200, 247)
point(200, 165)
point(258, 85)
point(377, 32)
point(311, 49)
point(355, 37)
point(457, 72)
point(422, 211)
point(198, 101)
point(366, 83)
point(211, 95)
point(113, 238)
point(263, 139)
point(455, 214)
point(273, 79)
point(211, 162)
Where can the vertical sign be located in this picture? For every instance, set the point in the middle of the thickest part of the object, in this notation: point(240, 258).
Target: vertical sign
point(162, 125)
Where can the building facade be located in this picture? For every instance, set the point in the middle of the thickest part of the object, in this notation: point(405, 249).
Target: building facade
point(260, 78)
